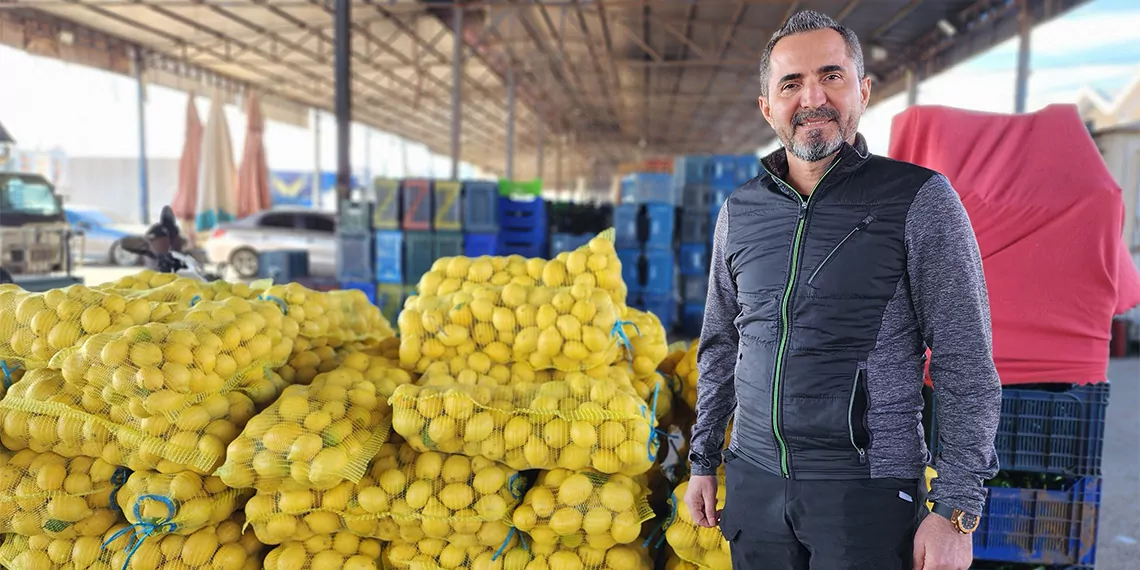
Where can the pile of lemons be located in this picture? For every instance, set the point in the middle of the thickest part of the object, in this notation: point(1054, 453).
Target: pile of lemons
point(573, 509)
point(705, 546)
point(343, 551)
point(46, 494)
point(440, 553)
point(685, 370)
point(196, 501)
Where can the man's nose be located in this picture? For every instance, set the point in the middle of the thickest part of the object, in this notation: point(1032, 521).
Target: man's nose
point(812, 96)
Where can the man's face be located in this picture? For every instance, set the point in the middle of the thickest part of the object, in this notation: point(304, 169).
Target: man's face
point(815, 97)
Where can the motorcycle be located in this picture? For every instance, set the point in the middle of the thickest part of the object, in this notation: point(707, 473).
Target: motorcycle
point(163, 248)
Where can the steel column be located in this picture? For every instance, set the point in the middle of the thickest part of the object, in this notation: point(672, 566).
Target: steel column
point(510, 123)
point(911, 87)
point(456, 90)
point(1021, 92)
point(144, 179)
point(540, 158)
point(316, 197)
point(343, 53)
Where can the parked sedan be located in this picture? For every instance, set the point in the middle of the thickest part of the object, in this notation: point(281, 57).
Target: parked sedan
point(103, 234)
point(238, 244)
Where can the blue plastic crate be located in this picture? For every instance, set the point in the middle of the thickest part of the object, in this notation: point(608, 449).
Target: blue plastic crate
point(354, 217)
point(631, 269)
point(366, 287)
point(386, 212)
point(664, 306)
point(389, 247)
point(648, 188)
point(480, 244)
point(390, 298)
point(562, 242)
point(625, 226)
point(747, 168)
point(354, 257)
point(660, 268)
point(694, 288)
point(1049, 432)
point(722, 171)
point(522, 214)
point(696, 198)
point(419, 254)
point(527, 243)
point(446, 196)
point(696, 228)
point(717, 198)
point(661, 221)
point(447, 244)
point(692, 318)
point(283, 265)
point(481, 207)
point(1039, 526)
point(691, 169)
point(693, 259)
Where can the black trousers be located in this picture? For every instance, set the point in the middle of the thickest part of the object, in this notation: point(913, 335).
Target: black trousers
point(773, 523)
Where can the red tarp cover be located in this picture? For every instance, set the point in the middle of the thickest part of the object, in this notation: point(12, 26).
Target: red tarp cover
point(1048, 217)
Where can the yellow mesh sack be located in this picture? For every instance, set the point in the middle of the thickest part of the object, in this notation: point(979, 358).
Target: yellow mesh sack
point(577, 423)
point(158, 369)
point(179, 503)
point(656, 385)
point(561, 557)
point(224, 546)
point(405, 496)
point(645, 340)
point(564, 328)
point(703, 546)
point(441, 554)
point(47, 494)
point(44, 413)
point(583, 508)
point(686, 373)
point(312, 437)
point(674, 562)
point(342, 550)
point(170, 288)
point(305, 363)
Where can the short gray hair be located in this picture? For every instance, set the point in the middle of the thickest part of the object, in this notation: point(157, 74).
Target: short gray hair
point(810, 21)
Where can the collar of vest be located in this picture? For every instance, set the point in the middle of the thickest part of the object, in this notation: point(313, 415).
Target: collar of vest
point(850, 157)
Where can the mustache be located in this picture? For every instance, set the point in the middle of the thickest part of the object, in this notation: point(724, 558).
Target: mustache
point(814, 114)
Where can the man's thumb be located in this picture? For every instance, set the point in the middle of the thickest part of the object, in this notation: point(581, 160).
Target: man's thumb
point(919, 555)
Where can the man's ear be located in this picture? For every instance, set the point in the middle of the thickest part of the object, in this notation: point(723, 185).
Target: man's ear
point(765, 108)
point(865, 92)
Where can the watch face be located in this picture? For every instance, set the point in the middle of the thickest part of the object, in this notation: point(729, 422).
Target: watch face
point(968, 522)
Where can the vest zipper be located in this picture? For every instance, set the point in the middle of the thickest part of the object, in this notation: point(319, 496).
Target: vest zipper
point(785, 319)
point(851, 420)
point(862, 225)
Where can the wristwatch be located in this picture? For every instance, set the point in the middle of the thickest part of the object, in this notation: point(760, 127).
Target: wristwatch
point(964, 522)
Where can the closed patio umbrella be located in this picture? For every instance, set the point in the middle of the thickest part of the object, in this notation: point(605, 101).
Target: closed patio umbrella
point(216, 196)
point(253, 175)
point(185, 202)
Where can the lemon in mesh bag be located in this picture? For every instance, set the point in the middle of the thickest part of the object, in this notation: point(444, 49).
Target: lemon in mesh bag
point(566, 328)
point(674, 562)
point(342, 550)
point(577, 423)
point(583, 508)
point(655, 384)
point(703, 546)
point(221, 547)
point(344, 314)
point(686, 373)
point(305, 363)
point(312, 437)
point(47, 494)
point(645, 340)
point(405, 496)
point(561, 557)
point(440, 554)
point(44, 413)
point(198, 500)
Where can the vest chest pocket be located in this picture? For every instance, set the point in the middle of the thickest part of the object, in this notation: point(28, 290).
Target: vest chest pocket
point(831, 255)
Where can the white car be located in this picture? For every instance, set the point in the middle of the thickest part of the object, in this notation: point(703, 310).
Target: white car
point(237, 244)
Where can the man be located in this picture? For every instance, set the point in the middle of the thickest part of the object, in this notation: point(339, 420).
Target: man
point(832, 273)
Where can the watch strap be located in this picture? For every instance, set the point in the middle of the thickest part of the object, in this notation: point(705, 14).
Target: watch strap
point(943, 510)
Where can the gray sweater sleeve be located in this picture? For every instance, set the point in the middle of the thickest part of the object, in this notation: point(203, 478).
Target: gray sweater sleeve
point(716, 359)
point(948, 290)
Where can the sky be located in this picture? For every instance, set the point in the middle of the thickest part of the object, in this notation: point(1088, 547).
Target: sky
point(49, 104)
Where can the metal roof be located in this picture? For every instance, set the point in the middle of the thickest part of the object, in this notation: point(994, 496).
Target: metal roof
point(613, 80)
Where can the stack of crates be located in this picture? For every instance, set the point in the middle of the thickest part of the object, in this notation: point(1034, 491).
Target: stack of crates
point(574, 225)
point(1043, 506)
point(644, 225)
point(522, 219)
point(354, 253)
point(691, 176)
point(388, 243)
point(480, 218)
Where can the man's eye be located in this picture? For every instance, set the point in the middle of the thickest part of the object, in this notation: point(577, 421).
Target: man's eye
point(788, 86)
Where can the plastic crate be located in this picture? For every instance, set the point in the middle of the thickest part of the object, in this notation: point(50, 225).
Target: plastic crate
point(1049, 432)
point(692, 169)
point(695, 198)
point(560, 243)
point(664, 306)
point(692, 318)
point(696, 228)
point(1040, 526)
point(389, 247)
point(631, 269)
point(366, 287)
point(661, 221)
point(283, 265)
point(354, 257)
point(626, 223)
point(521, 243)
point(522, 215)
point(520, 187)
point(415, 202)
point(354, 217)
point(419, 254)
point(722, 172)
point(660, 268)
point(648, 188)
point(386, 211)
point(695, 288)
point(390, 298)
point(747, 168)
point(480, 207)
point(693, 259)
point(448, 244)
point(446, 199)
point(717, 198)
point(480, 244)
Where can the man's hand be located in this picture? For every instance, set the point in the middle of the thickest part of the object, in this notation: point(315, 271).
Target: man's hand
point(939, 546)
point(701, 500)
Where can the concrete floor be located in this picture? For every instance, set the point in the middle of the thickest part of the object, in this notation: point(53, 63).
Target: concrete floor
point(1118, 540)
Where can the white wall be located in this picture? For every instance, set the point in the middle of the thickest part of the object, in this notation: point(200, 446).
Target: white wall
point(112, 183)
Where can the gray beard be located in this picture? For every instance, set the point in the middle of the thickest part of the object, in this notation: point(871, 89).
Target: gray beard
point(816, 147)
